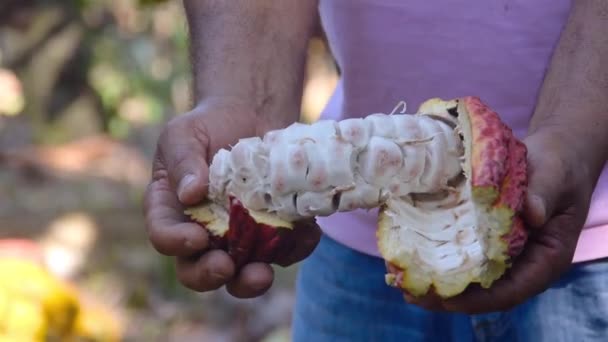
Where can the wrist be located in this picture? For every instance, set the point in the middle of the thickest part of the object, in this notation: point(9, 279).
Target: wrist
point(569, 148)
point(222, 121)
point(260, 112)
point(226, 119)
point(223, 103)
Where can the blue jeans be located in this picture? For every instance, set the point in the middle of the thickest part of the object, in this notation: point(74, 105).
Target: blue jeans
point(341, 296)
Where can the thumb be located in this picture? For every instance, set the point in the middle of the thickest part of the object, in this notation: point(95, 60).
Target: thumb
point(183, 148)
point(546, 180)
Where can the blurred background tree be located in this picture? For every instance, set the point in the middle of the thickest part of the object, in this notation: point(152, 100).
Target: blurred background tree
point(85, 87)
point(96, 66)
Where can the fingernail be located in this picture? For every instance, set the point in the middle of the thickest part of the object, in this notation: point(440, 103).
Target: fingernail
point(540, 211)
point(183, 185)
point(409, 298)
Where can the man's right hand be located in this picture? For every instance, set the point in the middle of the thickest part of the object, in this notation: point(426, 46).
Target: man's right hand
point(180, 178)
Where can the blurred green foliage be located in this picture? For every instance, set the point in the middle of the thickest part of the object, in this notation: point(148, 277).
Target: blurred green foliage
point(122, 64)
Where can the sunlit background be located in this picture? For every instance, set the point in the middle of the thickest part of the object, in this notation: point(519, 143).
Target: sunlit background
point(85, 87)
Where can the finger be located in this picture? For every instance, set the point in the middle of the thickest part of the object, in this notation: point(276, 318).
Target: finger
point(253, 280)
point(183, 147)
point(543, 260)
point(546, 182)
point(168, 230)
point(207, 273)
point(301, 243)
point(429, 302)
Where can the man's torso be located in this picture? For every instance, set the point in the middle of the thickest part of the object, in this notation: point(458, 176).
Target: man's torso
point(393, 50)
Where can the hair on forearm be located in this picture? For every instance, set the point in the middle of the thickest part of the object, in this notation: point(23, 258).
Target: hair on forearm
point(251, 51)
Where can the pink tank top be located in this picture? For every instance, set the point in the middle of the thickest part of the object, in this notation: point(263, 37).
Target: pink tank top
point(393, 50)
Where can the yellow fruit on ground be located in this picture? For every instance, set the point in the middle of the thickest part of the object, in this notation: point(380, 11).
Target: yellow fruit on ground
point(28, 282)
point(20, 319)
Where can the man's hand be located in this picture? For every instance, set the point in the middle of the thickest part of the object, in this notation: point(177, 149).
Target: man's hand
point(248, 61)
point(567, 149)
point(180, 177)
point(556, 206)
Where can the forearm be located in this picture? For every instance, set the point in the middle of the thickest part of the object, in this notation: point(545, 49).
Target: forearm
point(251, 52)
point(574, 96)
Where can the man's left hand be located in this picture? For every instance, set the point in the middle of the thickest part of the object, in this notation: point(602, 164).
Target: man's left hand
point(555, 210)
